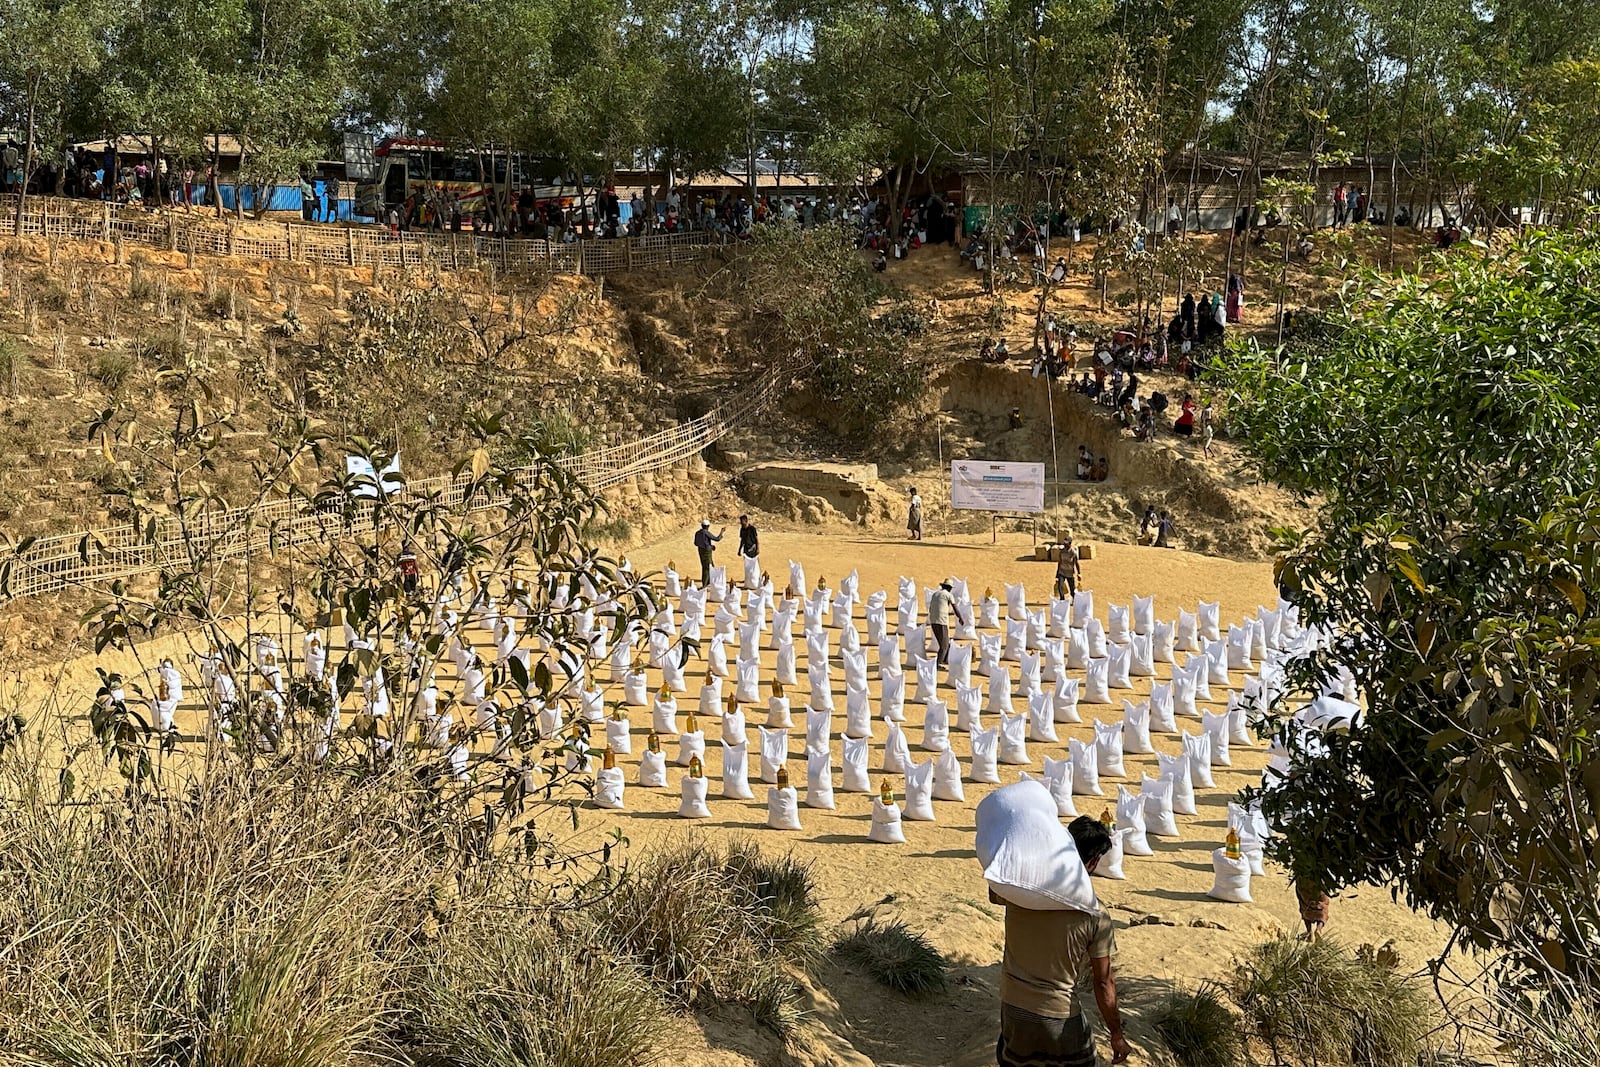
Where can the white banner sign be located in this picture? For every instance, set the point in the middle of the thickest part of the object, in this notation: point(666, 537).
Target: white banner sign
point(978, 485)
point(368, 480)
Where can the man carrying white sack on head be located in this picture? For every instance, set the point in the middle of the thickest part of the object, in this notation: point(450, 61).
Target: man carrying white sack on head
point(1059, 940)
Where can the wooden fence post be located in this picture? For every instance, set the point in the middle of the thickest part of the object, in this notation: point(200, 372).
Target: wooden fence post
point(105, 220)
point(350, 246)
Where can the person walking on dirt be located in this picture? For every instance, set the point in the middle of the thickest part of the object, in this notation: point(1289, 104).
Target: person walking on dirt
point(1148, 524)
point(1069, 569)
point(914, 516)
point(1054, 962)
point(941, 605)
point(749, 539)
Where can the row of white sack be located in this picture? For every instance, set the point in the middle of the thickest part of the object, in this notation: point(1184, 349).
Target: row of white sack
point(988, 654)
point(1279, 625)
point(1243, 645)
point(1077, 775)
point(1038, 723)
point(1191, 681)
point(1058, 704)
point(1266, 630)
point(1283, 621)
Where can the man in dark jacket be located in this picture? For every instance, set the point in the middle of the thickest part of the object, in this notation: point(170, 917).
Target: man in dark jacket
point(749, 541)
point(705, 543)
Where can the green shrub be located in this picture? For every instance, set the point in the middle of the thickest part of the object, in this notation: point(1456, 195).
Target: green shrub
point(512, 992)
point(49, 294)
point(12, 364)
point(557, 432)
point(160, 348)
point(220, 304)
point(1200, 1029)
point(140, 287)
point(1317, 1002)
point(896, 956)
point(111, 369)
point(611, 530)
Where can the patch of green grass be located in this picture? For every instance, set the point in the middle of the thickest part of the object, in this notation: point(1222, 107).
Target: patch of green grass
point(612, 531)
point(12, 365)
point(894, 955)
point(111, 369)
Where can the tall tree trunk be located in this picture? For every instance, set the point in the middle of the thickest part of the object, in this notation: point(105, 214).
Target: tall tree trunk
point(216, 174)
point(27, 152)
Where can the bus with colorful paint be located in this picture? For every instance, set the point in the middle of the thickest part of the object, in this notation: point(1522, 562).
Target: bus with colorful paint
point(432, 179)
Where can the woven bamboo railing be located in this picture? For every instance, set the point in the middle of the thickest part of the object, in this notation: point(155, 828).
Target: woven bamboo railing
point(371, 246)
point(91, 557)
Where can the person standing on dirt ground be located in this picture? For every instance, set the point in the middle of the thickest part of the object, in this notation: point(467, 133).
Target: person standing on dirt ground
point(940, 606)
point(705, 543)
point(1164, 530)
point(914, 516)
point(1051, 959)
point(1207, 429)
point(1069, 570)
point(749, 539)
point(1148, 524)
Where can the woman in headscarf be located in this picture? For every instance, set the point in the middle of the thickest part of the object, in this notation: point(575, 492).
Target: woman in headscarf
point(1235, 297)
point(1219, 312)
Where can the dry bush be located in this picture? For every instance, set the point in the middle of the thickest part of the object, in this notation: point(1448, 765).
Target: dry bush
point(1200, 1030)
point(504, 990)
point(1550, 1026)
point(256, 922)
point(894, 955)
point(718, 926)
point(1315, 1002)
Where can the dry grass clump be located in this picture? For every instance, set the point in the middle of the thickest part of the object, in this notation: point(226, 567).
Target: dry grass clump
point(1200, 1030)
point(894, 955)
point(300, 916)
point(251, 923)
point(1315, 1002)
point(1562, 1026)
point(718, 926)
point(505, 990)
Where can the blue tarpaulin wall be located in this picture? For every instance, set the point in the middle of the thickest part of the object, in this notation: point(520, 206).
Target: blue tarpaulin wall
point(283, 198)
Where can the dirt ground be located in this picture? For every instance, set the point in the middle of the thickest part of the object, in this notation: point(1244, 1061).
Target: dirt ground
point(1170, 934)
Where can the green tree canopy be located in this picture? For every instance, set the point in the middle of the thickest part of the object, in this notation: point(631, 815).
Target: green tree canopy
point(1445, 421)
